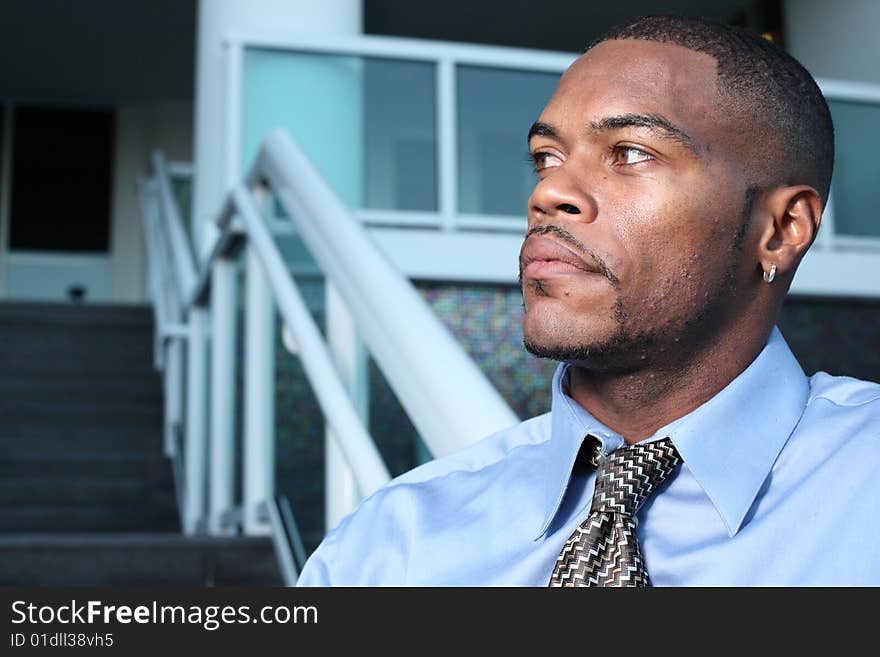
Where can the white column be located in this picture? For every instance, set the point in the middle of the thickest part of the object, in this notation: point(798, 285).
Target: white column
point(259, 396)
point(350, 357)
point(221, 482)
point(218, 19)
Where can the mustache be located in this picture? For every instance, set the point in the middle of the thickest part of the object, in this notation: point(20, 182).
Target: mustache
point(564, 236)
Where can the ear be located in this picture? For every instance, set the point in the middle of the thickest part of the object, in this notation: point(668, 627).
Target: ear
point(793, 215)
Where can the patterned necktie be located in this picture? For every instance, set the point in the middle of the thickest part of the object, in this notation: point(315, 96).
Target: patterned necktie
point(604, 549)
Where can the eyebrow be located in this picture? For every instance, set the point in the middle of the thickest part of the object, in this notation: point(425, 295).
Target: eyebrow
point(660, 125)
point(663, 127)
point(539, 129)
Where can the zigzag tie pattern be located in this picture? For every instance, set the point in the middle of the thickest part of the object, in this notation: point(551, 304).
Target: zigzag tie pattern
point(604, 549)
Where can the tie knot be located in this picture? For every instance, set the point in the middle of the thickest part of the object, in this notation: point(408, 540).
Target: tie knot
point(627, 477)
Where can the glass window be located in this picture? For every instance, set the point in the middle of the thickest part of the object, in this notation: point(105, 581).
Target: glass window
point(368, 124)
point(496, 108)
point(856, 167)
point(400, 139)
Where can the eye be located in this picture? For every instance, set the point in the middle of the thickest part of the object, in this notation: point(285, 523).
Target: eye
point(542, 160)
point(628, 155)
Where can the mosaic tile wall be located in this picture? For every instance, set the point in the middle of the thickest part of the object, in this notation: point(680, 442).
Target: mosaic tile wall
point(487, 320)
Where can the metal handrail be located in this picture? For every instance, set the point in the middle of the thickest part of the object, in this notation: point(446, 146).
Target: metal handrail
point(167, 314)
point(154, 272)
point(182, 257)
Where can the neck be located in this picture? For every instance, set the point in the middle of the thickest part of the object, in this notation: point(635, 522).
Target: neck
point(637, 404)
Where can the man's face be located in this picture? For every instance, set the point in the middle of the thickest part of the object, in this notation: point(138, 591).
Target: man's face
point(634, 225)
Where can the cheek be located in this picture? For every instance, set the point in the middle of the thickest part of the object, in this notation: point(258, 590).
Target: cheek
point(672, 255)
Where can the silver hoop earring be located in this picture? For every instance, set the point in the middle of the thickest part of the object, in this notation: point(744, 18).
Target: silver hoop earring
point(769, 276)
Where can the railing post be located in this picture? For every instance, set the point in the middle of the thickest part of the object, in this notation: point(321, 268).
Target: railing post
point(221, 474)
point(196, 400)
point(173, 392)
point(259, 396)
point(350, 357)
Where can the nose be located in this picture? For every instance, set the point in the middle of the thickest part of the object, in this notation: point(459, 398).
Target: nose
point(561, 194)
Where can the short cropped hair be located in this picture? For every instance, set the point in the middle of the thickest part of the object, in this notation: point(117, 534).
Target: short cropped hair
point(778, 98)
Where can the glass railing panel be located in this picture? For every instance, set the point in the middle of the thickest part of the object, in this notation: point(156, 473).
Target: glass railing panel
point(396, 437)
point(299, 431)
point(299, 422)
point(181, 188)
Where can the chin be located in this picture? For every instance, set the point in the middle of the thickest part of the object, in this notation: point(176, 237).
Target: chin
point(559, 338)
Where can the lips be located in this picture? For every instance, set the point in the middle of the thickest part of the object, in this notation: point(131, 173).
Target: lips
point(543, 256)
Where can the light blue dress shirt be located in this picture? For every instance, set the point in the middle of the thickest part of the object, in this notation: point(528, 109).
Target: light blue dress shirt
point(780, 486)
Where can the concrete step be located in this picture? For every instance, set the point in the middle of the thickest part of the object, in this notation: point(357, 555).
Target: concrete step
point(105, 517)
point(66, 407)
point(81, 430)
point(28, 314)
point(79, 420)
point(48, 466)
point(74, 387)
point(153, 559)
point(100, 360)
point(69, 490)
point(31, 437)
point(53, 339)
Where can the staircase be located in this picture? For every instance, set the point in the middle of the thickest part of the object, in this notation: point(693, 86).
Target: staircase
point(86, 494)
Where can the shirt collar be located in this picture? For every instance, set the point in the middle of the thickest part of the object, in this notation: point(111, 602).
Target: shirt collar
point(729, 443)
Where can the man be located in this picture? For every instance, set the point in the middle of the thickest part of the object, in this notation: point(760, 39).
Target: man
point(683, 168)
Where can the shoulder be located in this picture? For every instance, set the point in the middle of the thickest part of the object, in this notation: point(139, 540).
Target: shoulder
point(489, 451)
point(844, 398)
point(837, 440)
point(371, 545)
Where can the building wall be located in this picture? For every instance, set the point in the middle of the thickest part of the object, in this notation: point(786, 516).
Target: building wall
point(835, 39)
point(141, 127)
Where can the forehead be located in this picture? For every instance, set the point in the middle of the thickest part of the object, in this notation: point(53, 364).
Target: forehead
point(642, 77)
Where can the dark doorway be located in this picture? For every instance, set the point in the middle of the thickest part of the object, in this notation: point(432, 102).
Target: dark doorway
point(61, 180)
